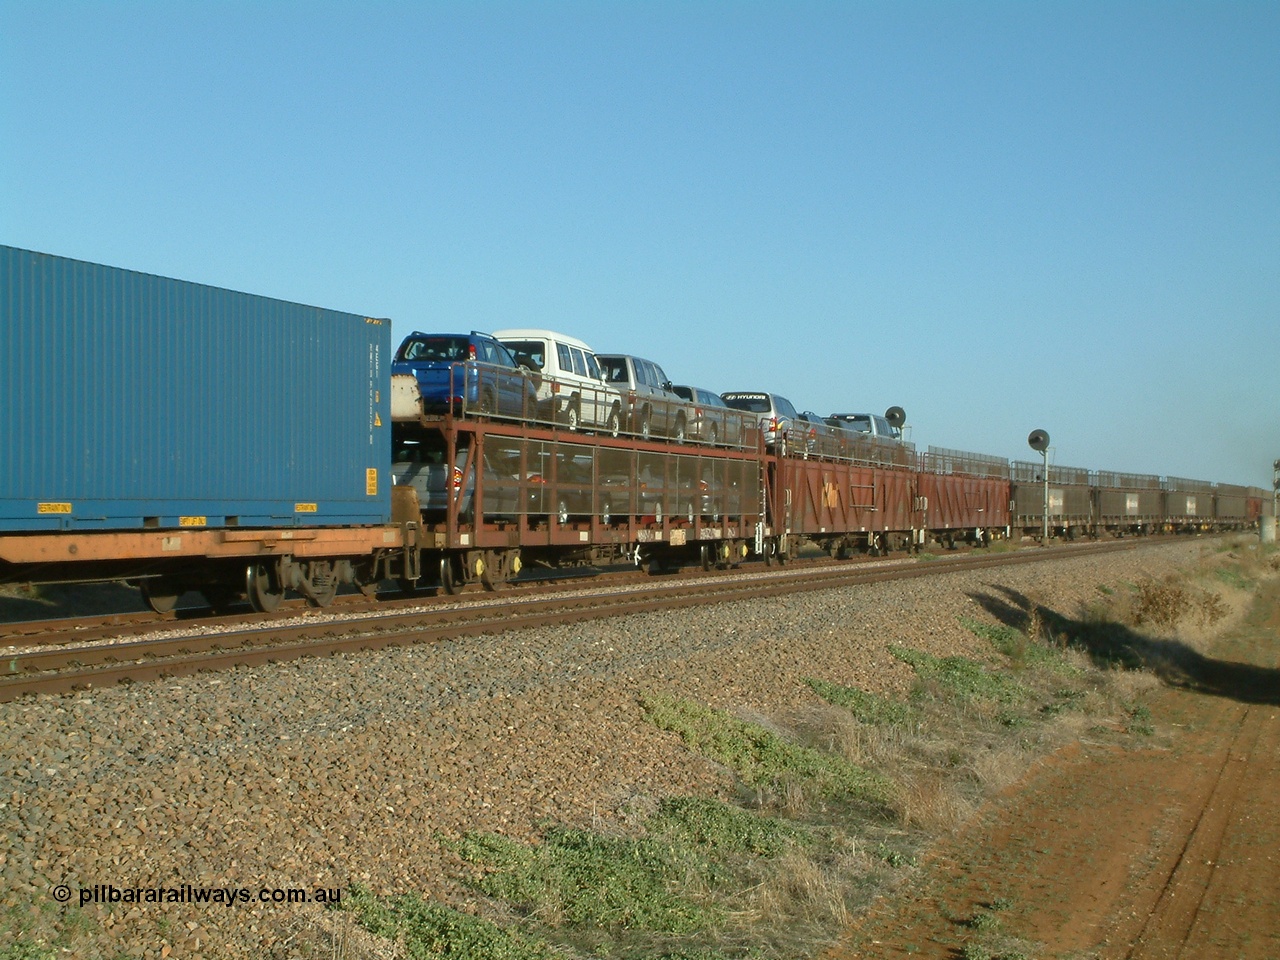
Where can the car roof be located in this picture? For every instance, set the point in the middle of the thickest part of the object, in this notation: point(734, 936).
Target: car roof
point(534, 333)
point(696, 390)
point(419, 334)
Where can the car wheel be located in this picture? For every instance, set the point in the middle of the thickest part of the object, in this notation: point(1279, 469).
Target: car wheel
point(713, 435)
point(678, 436)
point(645, 429)
point(571, 417)
point(562, 512)
point(614, 426)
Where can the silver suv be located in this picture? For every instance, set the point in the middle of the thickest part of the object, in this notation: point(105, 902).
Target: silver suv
point(776, 414)
point(873, 424)
point(652, 408)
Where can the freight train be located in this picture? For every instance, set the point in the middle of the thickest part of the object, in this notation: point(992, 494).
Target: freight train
point(183, 437)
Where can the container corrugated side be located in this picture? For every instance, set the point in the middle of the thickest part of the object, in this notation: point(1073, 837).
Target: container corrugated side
point(129, 400)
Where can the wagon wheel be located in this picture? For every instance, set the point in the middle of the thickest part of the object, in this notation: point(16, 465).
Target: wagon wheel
point(449, 581)
point(707, 556)
point(160, 596)
point(262, 586)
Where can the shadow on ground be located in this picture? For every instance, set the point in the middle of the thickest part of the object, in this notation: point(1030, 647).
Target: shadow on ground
point(1113, 645)
point(52, 602)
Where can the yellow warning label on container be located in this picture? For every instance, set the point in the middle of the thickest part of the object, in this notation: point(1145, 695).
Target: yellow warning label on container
point(371, 481)
point(193, 521)
point(304, 508)
point(377, 419)
point(53, 508)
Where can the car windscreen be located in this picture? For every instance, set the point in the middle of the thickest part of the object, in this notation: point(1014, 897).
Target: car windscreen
point(860, 423)
point(436, 349)
point(530, 350)
point(752, 403)
point(615, 369)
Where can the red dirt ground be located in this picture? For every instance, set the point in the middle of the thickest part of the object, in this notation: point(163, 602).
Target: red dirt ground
point(1102, 852)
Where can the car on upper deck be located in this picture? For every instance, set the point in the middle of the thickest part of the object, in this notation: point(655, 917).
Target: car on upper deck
point(775, 413)
point(711, 420)
point(869, 423)
point(651, 408)
point(572, 391)
point(466, 373)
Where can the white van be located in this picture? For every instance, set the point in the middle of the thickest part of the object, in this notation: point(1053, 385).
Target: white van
point(572, 391)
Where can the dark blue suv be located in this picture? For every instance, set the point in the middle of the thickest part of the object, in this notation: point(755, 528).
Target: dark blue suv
point(467, 374)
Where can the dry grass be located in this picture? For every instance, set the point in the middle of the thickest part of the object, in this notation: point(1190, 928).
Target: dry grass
point(334, 935)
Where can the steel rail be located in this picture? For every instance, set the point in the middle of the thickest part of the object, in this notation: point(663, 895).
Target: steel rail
point(67, 669)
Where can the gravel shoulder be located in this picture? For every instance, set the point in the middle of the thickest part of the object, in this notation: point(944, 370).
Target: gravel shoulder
point(323, 773)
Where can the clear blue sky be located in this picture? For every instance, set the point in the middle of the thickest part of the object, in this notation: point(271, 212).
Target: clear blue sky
point(999, 216)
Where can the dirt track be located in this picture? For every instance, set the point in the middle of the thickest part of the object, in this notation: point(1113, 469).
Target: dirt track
point(1167, 852)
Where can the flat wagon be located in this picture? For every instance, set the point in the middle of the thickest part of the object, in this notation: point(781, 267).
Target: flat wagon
point(187, 436)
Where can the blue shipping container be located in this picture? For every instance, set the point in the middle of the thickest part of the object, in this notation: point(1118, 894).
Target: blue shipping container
point(131, 401)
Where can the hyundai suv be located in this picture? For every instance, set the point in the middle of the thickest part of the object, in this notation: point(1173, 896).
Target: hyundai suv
point(775, 413)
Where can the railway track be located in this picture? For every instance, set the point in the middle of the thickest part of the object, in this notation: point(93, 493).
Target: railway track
point(199, 646)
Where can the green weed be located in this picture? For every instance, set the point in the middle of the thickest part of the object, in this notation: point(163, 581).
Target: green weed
point(962, 678)
point(1019, 647)
point(587, 880)
point(721, 828)
point(761, 757)
point(1140, 720)
point(869, 708)
point(1234, 577)
point(659, 882)
point(431, 931)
